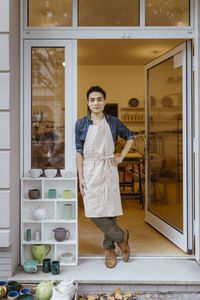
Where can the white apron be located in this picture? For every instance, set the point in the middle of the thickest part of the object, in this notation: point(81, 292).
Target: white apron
point(102, 193)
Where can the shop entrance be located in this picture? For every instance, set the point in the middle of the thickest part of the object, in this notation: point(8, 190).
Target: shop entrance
point(119, 67)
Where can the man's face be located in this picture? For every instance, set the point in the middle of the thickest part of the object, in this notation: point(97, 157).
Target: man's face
point(96, 102)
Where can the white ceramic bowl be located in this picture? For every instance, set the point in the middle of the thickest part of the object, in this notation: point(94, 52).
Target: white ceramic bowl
point(50, 173)
point(35, 172)
point(66, 257)
point(67, 174)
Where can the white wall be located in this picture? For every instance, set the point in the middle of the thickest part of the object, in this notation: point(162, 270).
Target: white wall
point(9, 137)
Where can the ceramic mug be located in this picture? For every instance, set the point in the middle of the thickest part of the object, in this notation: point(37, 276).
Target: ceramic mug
point(24, 291)
point(28, 235)
point(13, 295)
point(30, 266)
point(13, 286)
point(67, 194)
point(40, 251)
point(25, 297)
point(37, 236)
point(67, 211)
point(3, 288)
point(46, 265)
point(55, 267)
point(52, 193)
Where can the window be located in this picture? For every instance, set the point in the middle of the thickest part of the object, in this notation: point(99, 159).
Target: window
point(49, 13)
point(167, 13)
point(108, 13)
point(48, 107)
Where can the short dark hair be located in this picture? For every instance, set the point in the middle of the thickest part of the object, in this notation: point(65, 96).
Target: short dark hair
point(96, 89)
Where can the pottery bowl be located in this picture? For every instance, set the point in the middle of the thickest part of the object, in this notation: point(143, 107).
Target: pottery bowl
point(66, 257)
point(67, 174)
point(50, 173)
point(34, 194)
point(35, 172)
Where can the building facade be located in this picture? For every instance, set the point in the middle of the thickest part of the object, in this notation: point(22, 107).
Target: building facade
point(23, 35)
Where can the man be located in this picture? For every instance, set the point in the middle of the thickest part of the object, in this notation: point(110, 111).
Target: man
point(96, 135)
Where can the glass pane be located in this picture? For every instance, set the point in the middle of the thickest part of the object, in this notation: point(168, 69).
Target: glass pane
point(49, 13)
point(165, 142)
point(48, 108)
point(167, 13)
point(108, 13)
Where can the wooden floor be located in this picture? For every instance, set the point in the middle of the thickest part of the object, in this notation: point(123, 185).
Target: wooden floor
point(144, 239)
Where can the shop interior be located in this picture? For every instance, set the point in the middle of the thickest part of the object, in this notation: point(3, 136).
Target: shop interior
point(118, 66)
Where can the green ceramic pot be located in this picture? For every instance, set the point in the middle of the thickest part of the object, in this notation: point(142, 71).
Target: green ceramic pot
point(40, 251)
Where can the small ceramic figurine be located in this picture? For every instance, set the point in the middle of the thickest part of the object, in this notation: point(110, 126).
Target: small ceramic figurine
point(44, 290)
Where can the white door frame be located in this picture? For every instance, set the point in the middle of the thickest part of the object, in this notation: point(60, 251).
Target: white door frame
point(70, 98)
point(142, 32)
point(182, 240)
point(196, 144)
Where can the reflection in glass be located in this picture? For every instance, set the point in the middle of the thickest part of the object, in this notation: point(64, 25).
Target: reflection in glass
point(165, 142)
point(108, 13)
point(167, 13)
point(48, 108)
point(49, 13)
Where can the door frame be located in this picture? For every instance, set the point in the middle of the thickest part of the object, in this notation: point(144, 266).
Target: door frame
point(192, 32)
point(182, 240)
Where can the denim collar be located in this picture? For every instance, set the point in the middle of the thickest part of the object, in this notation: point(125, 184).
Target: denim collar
point(88, 118)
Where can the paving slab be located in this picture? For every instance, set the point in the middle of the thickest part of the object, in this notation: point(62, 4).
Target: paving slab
point(141, 271)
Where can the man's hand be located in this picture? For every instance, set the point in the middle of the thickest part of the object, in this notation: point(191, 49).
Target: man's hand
point(82, 186)
point(116, 160)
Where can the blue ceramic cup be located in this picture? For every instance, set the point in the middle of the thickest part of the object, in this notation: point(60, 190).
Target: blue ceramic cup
point(24, 291)
point(13, 295)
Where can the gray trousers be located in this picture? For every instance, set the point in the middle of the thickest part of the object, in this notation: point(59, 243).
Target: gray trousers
point(112, 232)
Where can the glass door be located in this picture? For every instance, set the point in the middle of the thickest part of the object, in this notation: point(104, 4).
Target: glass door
point(169, 146)
point(49, 104)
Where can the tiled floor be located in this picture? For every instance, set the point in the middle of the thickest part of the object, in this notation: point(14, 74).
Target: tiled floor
point(144, 239)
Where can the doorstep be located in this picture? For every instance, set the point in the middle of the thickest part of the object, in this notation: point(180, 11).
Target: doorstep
point(138, 271)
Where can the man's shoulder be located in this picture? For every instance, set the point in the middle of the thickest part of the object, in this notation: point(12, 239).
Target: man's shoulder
point(111, 118)
point(82, 120)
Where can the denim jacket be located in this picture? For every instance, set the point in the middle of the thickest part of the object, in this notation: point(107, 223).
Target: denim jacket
point(116, 128)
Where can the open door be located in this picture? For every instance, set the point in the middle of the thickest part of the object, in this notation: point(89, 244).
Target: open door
point(169, 146)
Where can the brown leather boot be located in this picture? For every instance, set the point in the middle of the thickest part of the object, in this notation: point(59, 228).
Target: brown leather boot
point(124, 247)
point(110, 260)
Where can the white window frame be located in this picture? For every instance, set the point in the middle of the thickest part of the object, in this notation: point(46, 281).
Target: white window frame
point(70, 99)
point(77, 32)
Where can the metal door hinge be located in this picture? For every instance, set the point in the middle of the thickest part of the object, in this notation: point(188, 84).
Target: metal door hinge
point(194, 63)
point(195, 228)
point(194, 145)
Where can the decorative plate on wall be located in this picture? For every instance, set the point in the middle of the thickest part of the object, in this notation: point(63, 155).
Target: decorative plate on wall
point(167, 101)
point(133, 102)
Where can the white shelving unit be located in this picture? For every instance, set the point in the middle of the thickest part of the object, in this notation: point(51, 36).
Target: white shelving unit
point(55, 217)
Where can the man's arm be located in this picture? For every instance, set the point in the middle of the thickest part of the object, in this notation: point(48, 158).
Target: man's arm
point(118, 159)
point(79, 163)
